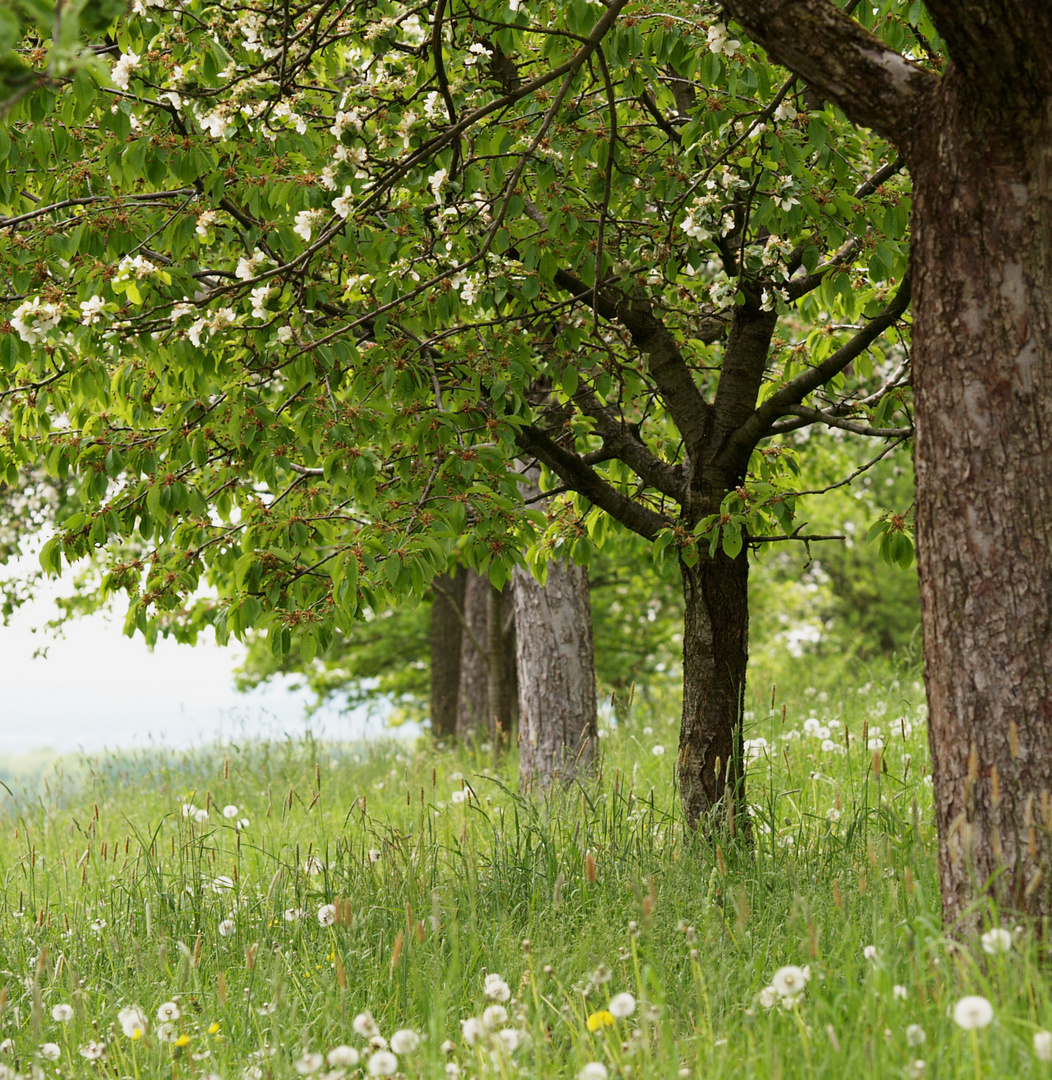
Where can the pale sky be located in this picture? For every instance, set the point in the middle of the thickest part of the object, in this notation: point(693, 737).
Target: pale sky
point(98, 689)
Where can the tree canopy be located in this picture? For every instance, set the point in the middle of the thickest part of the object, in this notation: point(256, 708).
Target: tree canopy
point(290, 291)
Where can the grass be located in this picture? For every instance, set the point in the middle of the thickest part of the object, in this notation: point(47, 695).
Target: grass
point(430, 873)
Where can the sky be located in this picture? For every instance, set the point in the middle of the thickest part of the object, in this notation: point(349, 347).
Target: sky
point(97, 689)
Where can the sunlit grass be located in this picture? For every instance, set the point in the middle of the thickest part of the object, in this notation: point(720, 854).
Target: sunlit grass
point(397, 881)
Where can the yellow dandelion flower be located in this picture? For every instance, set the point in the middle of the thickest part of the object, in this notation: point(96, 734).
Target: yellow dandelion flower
point(183, 1040)
point(213, 1028)
point(601, 1019)
point(136, 1034)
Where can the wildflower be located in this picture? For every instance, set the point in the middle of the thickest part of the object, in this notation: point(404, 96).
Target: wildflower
point(182, 1040)
point(471, 1029)
point(309, 1063)
point(870, 952)
point(790, 980)
point(383, 1063)
point(93, 1051)
point(494, 1016)
point(602, 1018)
point(509, 1039)
point(448, 1047)
point(169, 1011)
point(284, 334)
point(342, 1055)
point(496, 989)
point(657, 750)
point(120, 73)
point(915, 1035)
point(167, 1032)
point(973, 1012)
point(916, 1069)
point(133, 1021)
point(768, 997)
point(213, 1028)
point(458, 797)
point(996, 940)
point(313, 866)
point(293, 914)
point(52, 1051)
point(594, 1070)
point(201, 816)
point(222, 884)
point(404, 1041)
point(91, 310)
point(452, 1070)
point(226, 928)
point(1043, 1045)
point(365, 1025)
point(327, 914)
point(899, 992)
point(230, 811)
point(374, 855)
point(622, 1006)
point(62, 1013)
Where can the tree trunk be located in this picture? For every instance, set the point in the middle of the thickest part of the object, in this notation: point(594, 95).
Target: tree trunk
point(983, 397)
point(710, 766)
point(446, 633)
point(555, 657)
point(475, 718)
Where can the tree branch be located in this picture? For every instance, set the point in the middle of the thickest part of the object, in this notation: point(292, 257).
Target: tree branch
point(818, 417)
point(873, 84)
point(690, 412)
point(573, 471)
point(622, 441)
point(793, 393)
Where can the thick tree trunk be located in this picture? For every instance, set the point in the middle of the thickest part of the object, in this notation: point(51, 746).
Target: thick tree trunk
point(481, 679)
point(556, 665)
point(983, 393)
point(710, 768)
point(473, 699)
point(446, 633)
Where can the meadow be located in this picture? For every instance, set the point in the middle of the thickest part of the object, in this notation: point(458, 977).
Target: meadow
point(306, 908)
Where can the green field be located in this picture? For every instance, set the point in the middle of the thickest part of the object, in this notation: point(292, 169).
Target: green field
point(181, 937)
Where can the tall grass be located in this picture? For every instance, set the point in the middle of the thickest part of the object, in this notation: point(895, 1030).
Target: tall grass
point(395, 880)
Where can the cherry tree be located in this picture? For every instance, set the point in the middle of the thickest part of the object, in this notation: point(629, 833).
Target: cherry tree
point(301, 296)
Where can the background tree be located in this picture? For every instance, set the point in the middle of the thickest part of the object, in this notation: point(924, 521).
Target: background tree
point(977, 140)
point(280, 295)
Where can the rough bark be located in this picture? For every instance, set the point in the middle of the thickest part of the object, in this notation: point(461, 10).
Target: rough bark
point(556, 661)
point(983, 398)
point(475, 718)
point(555, 658)
point(473, 699)
point(715, 654)
point(445, 638)
point(979, 146)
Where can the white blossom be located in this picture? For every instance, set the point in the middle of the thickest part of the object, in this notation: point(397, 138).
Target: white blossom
point(32, 320)
point(121, 71)
point(719, 43)
point(305, 222)
point(91, 310)
point(259, 297)
point(342, 203)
